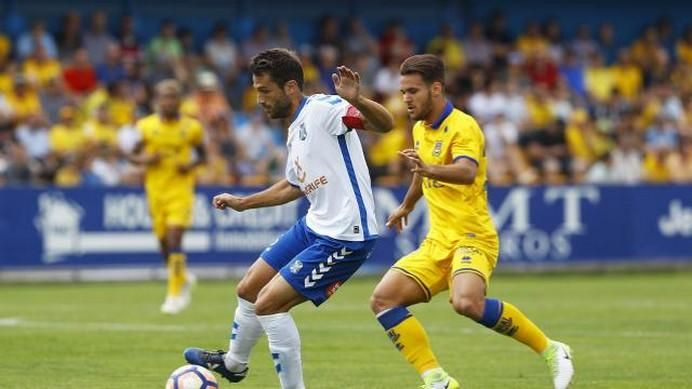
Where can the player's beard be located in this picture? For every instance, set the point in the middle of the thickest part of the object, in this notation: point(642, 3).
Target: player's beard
point(425, 109)
point(281, 108)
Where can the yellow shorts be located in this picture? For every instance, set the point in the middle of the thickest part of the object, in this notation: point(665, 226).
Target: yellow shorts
point(434, 265)
point(176, 211)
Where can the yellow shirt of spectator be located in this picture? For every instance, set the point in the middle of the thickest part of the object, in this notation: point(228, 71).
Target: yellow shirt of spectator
point(102, 133)
point(24, 105)
point(600, 81)
point(41, 72)
point(684, 51)
point(655, 169)
point(459, 214)
point(628, 79)
point(6, 83)
point(121, 111)
point(5, 46)
point(67, 139)
point(540, 113)
point(174, 142)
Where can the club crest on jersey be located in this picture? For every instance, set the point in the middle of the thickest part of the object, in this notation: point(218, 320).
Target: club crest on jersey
point(296, 266)
point(437, 149)
point(302, 132)
point(417, 145)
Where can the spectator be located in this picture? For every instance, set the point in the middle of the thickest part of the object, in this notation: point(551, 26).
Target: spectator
point(477, 49)
point(26, 45)
point(23, 100)
point(39, 67)
point(221, 51)
point(67, 137)
point(98, 39)
point(626, 160)
point(80, 77)
point(165, 50)
point(69, 37)
point(583, 45)
point(395, 44)
point(33, 135)
point(100, 130)
point(112, 69)
point(128, 40)
point(207, 102)
point(52, 97)
point(449, 47)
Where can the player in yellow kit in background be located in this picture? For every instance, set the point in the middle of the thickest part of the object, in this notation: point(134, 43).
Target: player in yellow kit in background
point(170, 148)
point(461, 249)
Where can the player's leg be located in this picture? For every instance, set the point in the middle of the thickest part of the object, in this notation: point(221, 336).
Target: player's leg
point(177, 260)
point(472, 269)
point(246, 328)
point(177, 216)
point(314, 274)
point(158, 220)
point(413, 279)
point(273, 304)
point(163, 248)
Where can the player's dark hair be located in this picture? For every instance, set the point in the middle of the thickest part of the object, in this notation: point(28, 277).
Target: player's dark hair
point(430, 67)
point(282, 65)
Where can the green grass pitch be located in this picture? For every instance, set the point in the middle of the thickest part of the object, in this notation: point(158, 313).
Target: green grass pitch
point(627, 330)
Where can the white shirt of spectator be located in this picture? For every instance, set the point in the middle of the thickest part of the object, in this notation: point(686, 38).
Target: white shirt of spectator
point(326, 161)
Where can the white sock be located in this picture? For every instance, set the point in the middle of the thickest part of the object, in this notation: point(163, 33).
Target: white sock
point(284, 344)
point(244, 335)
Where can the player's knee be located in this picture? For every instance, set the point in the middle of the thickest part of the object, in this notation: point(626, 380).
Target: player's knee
point(468, 306)
point(247, 291)
point(380, 301)
point(265, 305)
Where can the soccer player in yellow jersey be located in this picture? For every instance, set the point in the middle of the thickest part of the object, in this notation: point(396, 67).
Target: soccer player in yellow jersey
point(461, 248)
point(171, 146)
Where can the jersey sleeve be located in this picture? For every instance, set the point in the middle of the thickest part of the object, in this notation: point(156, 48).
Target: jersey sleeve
point(341, 117)
point(468, 141)
point(291, 174)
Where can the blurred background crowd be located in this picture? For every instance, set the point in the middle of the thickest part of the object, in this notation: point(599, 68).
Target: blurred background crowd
point(556, 108)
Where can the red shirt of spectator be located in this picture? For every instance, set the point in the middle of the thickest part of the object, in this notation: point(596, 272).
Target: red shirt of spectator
point(542, 71)
point(80, 77)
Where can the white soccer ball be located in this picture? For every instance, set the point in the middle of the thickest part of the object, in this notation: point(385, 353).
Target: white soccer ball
point(191, 377)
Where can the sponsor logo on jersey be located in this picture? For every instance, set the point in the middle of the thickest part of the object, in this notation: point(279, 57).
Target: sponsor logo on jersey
point(437, 149)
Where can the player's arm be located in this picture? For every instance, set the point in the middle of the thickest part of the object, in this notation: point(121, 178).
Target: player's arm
point(280, 193)
point(369, 115)
point(462, 171)
point(399, 218)
point(201, 159)
point(139, 157)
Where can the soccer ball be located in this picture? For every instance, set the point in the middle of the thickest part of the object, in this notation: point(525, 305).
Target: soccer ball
point(191, 377)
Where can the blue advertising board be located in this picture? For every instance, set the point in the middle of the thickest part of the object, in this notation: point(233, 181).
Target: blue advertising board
point(54, 228)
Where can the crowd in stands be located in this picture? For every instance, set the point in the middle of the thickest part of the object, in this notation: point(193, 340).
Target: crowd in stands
point(555, 109)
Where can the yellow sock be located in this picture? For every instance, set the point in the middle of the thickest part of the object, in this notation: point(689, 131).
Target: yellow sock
point(176, 273)
point(409, 337)
point(507, 319)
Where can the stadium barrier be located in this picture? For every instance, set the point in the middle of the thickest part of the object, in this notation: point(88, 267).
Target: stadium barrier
point(96, 233)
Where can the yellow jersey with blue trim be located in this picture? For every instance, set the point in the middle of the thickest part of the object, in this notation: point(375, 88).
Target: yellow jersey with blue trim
point(174, 141)
point(459, 214)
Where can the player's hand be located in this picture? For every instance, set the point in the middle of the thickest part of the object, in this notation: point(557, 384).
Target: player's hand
point(346, 83)
point(151, 159)
point(416, 163)
point(227, 200)
point(399, 218)
point(184, 168)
